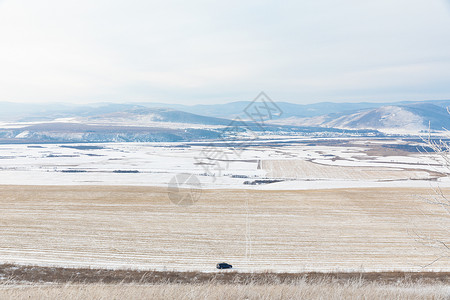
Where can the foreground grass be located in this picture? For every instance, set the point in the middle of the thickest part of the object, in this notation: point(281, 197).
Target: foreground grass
point(28, 274)
point(38, 282)
point(296, 290)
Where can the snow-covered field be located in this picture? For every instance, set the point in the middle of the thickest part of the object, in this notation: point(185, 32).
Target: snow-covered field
point(292, 164)
point(280, 205)
point(291, 231)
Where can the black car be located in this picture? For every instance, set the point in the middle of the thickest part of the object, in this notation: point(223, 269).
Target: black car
point(223, 266)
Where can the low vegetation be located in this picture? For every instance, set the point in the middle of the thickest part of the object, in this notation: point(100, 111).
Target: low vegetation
point(33, 282)
point(298, 290)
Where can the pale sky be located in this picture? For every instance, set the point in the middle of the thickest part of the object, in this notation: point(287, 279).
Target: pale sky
point(191, 52)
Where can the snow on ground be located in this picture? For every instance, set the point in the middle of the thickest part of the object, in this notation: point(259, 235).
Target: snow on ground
point(300, 166)
point(281, 231)
point(107, 205)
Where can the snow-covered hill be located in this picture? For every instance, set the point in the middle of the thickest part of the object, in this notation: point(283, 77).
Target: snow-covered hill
point(109, 122)
point(144, 116)
point(413, 117)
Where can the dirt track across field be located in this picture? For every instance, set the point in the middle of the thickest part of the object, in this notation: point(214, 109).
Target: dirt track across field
point(297, 231)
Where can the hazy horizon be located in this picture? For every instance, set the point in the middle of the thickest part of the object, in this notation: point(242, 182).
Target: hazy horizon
point(206, 103)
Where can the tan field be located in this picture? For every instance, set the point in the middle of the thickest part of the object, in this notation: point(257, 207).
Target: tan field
point(295, 231)
point(302, 169)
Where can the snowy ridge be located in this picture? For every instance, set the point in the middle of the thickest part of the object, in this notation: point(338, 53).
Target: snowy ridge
point(413, 118)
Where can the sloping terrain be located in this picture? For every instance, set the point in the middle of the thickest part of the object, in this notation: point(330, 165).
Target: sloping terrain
point(77, 132)
point(47, 112)
point(147, 115)
point(412, 117)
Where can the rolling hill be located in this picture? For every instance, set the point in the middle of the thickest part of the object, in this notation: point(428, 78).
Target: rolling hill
point(110, 122)
point(411, 117)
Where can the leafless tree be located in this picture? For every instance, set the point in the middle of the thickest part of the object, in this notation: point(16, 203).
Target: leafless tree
point(439, 151)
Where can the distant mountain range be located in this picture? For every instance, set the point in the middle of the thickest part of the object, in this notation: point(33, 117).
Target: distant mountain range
point(33, 112)
point(233, 109)
point(407, 116)
point(165, 122)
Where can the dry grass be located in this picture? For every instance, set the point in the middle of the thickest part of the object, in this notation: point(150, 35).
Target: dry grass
point(298, 290)
point(34, 282)
point(295, 231)
point(58, 275)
